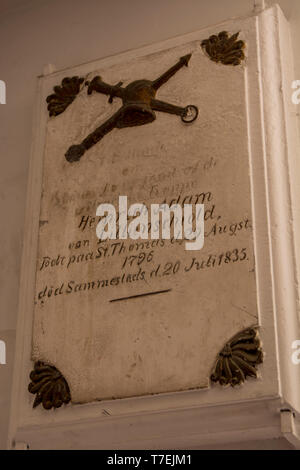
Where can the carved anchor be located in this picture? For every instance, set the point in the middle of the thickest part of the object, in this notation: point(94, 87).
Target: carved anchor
point(138, 108)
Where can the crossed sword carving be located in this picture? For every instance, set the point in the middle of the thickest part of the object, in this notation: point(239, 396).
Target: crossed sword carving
point(139, 104)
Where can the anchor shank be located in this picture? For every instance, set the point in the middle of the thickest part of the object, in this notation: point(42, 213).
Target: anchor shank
point(101, 87)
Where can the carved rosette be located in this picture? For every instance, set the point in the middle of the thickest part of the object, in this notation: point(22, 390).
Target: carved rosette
point(224, 48)
point(238, 359)
point(49, 385)
point(63, 95)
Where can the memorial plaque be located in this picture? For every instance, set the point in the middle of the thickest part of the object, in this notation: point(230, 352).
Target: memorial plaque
point(122, 318)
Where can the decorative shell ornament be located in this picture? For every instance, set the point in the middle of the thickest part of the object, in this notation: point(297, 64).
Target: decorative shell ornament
point(63, 95)
point(238, 359)
point(224, 48)
point(49, 385)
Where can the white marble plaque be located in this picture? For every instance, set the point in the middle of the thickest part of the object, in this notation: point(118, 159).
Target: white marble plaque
point(108, 346)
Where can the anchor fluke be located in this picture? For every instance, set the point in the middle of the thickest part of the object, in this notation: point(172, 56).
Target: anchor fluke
point(74, 153)
point(185, 59)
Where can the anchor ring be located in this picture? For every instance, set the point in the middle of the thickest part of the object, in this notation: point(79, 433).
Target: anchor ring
point(190, 113)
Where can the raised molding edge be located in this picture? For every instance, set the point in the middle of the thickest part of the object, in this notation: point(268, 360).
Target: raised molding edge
point(282, 169)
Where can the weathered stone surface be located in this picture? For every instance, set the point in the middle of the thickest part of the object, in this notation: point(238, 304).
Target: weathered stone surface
point(167, 342)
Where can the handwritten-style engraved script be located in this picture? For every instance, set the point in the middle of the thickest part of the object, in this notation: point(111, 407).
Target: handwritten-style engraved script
point(122, 318)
